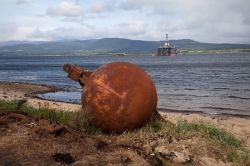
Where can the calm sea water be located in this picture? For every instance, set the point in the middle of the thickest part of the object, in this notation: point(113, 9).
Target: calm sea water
point(214, 84)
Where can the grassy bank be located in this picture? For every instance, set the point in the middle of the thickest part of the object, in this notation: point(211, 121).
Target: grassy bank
point(210, 140)
point(75, 120)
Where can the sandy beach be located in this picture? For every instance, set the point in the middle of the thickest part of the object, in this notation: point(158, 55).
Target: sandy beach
point(20, 91)
point(239, 126)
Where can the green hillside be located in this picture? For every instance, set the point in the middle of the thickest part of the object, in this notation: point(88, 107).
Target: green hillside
point(107, 46)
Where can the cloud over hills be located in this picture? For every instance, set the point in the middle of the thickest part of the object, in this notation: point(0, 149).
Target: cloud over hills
point(65, 8)
point(224, 21)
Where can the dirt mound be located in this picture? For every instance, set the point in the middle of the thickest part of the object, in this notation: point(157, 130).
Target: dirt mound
point(28, 141)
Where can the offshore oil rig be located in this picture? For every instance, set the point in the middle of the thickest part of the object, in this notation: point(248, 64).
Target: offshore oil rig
point(166, 49)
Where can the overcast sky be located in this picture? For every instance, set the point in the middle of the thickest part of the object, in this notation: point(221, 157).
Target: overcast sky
point(219, 21)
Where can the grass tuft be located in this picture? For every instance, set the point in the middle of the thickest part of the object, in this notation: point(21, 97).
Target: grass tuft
point(76, 120)
point(238, 157)
point(183, 128)
point(81, 122)
point(152, 130)
point(9, 105)
point(153, 125)
point(51, 115)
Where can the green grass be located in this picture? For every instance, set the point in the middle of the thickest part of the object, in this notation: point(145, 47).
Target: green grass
point(8, 105)
point(51, 115)
point(235, 152)
point(238, 157)
point(79, 121)
point(152, 130)
point(183, 127)
point(76, 120)
point(154, 126)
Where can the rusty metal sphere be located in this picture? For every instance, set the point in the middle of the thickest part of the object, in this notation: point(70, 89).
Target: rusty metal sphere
point(119, 96)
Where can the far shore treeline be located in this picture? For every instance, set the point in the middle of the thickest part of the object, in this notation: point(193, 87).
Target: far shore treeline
point(110, 46)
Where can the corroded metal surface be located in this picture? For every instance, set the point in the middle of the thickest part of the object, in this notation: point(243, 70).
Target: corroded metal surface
point(77, 73)
point(118, 96)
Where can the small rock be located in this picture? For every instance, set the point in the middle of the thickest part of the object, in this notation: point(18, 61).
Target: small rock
point(30, 125)
point(125, 160)
point(178, 157)
point(150, 147)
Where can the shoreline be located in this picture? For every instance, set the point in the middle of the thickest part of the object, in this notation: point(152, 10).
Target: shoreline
point(26, 92)
point(202, 113)
point(50, 88)
point(237, 125)
point(19, 91)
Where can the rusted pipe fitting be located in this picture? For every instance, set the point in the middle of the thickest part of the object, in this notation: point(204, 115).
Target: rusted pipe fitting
point(77, 73)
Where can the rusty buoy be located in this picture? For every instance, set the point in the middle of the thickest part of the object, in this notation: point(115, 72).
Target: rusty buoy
point(118, 96)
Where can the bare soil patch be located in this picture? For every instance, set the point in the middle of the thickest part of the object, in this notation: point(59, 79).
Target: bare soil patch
point(28, 141)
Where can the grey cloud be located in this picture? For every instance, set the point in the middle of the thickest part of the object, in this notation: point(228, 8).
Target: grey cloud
point(206, 20)
point(77, 20)
point(20, 2)
point(54, 34)
point(65, 8)
point(131, 5)
point(7, 30)
point(101, 7)
point(134, 30)
point(246, 20)
point(65, 33)
point(157, 6)
point(131, 30)
point(243, 9)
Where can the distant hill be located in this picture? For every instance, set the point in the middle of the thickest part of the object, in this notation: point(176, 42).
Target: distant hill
point(104, 46)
